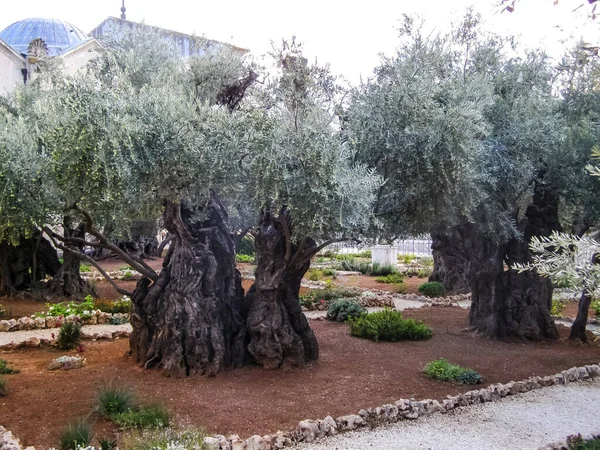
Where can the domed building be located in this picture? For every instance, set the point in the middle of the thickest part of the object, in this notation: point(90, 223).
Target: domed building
point(25, 42)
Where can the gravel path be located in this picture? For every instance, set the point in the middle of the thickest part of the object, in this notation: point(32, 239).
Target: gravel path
point(526, 421)
point(6, 337)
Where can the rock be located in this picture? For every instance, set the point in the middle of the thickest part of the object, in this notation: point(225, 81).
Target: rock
point(410, 414)
point(93, 320)
point(33, 342)
point(281, 440)
point(52, 322)
point(583, 373)
point(104, 318)
point(104, 335)
point(73, 318)
point(236, 442)
point(308, 431)
point(593, 370)
point(350, 422)
point(211, 443)
point(328, 426)
point(120, 334)
point(224, 444)
point(254, 443)
point(40, 322)
point(448, 405)
point(391, 413)
point(4, 325)
point(26, 323)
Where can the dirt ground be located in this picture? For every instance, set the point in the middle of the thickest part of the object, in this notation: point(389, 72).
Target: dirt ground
point(351, 374)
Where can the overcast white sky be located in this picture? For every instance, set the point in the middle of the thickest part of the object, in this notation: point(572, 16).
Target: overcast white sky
point(348, 34)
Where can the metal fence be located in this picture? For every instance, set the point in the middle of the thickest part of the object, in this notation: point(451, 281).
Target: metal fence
point(416, 246)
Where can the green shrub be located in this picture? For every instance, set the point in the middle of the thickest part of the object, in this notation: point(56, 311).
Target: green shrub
point(190, 438)
point(3, 312)
point(442, 370)
point(246, 246)
point(3, 387)
point(84, 268)
point(241, 258)
point(154, 416)
point(388, 325)
point(596, 308)
point(401, 288)
point(112, 400)
point(557, 307)
point(406, 258)
point(351, 265)
point(124, 268)
point(106, 444)
point(432, 289)
point(76, 434)
point(65, 309)
point(382, 269)
point(424, 273)
point(341, 310)
point(393, 278)
point(578, 443)
point(565, 282)
point(426, 261)
point(128, 275)
point(68, 336)
point(329, 273)
point(5, 369)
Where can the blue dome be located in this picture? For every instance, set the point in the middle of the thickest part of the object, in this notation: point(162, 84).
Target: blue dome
point(59, 36)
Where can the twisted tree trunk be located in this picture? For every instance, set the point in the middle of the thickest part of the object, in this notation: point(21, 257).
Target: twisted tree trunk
point(278, 329)
point(190, 320)
point(68, 282)
point(143, 242)
point(451, 260)
point(23, 266)
point(506, 303)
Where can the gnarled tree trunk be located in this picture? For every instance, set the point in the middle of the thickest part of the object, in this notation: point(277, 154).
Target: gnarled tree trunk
point(68, 282)
point(506, 303)
point(278, 329)
point(23, 266)
point(143, 242)
point(451, 260)
point(190, 320)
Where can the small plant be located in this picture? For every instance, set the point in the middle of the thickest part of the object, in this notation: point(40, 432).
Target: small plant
point(424, 273)
point(241, 258)
point(342, 309)
point(77, 434)
point(127, 275)
point(432, 289)
point(557, 307)
point(406, 258)
point(68, 336)
point(154, 416)
point(3, 312)
point(578, 443)
point(84, 268)
point(596, 308)
point(393, 278)
point(124, 268)
point(5, 369)
point(329, 273)
point(107, 444)
point(401, 288)
point(112, 400)
point(3, 388)
point(426, 262)
point(442, 370)
point(388, 325)
point(383, 269)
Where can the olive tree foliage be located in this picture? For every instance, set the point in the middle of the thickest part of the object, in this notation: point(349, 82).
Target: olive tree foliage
point(420, 122)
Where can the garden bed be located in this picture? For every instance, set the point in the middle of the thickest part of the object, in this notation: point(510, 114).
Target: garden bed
point(351, 374)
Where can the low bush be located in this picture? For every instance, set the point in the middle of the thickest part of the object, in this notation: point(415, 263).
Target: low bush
point(127, 275)
point(393, 278)
point(5, 369)
point(426, 262)
point(106, 444)
point(123, 305)
point(388, 325)
point(341, 310)
point(442, 370)
point(77, 434)
point(424, 273)
point(579, 443)
point(3, 387)
point(65, 309)
point(432, 289)
point(382, 270)
point(406, 258)
point(246, 246)
point(401, 288)
point(557, 307)
point(241, 258)
point(351, 265)
point(153, 416)
point(112, 400)
point(84, 268)
point(167, 439)
point(69, 336)
point(3, 312)
point(596, 308)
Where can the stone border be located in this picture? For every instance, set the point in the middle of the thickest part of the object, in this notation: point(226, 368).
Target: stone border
point(403, 409)
point(35, 342)
point(40, 323)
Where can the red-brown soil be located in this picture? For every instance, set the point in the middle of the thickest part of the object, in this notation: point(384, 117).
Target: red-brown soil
point(366, 282)
point(351, 374)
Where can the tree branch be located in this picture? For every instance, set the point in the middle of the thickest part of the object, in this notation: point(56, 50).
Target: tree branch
point(85, 257)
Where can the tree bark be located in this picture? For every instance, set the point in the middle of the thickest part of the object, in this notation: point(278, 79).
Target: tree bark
point(278, 329)
point(68, 282)
point(143, 242)
point(578, 329)
point(190, 319)
point(23, 266)
point(451, 261)
point(506, 303)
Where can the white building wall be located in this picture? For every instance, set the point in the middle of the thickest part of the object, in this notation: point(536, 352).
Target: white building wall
point(10, 70)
